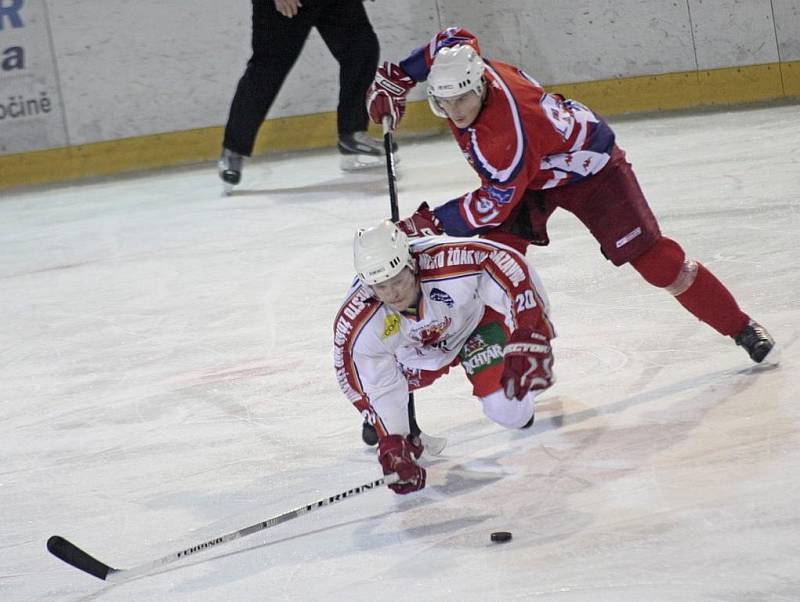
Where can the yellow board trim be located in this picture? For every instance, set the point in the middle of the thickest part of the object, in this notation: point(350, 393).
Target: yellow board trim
point(671, 91)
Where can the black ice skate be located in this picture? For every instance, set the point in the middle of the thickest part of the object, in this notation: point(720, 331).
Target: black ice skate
point(230, 169)
point(756, 341)
point(360, 151)
point(368, 434)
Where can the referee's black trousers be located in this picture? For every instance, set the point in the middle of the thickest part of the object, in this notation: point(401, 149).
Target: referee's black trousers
point(277, 42)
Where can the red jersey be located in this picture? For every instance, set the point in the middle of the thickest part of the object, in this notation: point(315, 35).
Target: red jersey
point(523, 138)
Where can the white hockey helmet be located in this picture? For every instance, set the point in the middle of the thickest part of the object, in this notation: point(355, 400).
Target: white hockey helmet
point(380, 253)
point(455, 71)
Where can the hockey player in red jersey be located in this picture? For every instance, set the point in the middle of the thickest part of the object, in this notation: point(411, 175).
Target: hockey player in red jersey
point(415, 311)
point(535, 152)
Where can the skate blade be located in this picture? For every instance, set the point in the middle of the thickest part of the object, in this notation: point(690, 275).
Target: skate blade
point(363, 162)
point(773, 357)
point(227, 189)
point(431, 445)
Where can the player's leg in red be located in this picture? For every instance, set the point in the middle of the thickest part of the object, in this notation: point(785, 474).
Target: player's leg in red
point(613, 207)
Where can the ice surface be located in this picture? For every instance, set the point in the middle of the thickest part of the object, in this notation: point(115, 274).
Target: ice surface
point(166, 376)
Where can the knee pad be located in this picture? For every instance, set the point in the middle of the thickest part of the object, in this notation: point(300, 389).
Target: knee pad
point(685, 278)
point(509, 413)
point(665, 265)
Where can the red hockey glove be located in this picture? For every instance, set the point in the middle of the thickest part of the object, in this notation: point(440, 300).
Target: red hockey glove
point(387, 94)
point(527, 365)
point(397, 454)
point(421, 223)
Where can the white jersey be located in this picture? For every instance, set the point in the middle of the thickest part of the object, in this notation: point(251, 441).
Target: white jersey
point(377, 349)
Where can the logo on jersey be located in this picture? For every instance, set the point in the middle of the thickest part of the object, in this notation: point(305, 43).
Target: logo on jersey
point(484, 205)
point(474, 344)
point(500, 196)
point(483, 349)
point(391, 325)
point(489, 199)
point(442, 297)
point(432, 335)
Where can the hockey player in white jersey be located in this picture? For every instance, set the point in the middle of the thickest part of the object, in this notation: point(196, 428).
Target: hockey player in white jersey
point(416, 311)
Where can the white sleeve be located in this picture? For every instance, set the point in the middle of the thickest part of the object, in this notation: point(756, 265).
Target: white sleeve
point(366, 369)
point(386, 388)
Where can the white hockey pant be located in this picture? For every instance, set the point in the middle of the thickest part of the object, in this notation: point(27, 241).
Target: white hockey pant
point(510, 413)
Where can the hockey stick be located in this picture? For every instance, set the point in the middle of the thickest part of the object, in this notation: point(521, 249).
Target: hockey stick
point(388, 147)
point(72, 554)
point(434, 445)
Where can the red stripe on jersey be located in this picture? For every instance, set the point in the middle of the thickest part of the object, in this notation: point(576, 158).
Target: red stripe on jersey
point(354, 314)
point(510, 270)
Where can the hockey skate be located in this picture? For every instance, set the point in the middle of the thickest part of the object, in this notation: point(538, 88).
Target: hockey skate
point(230, 169)
point(528, 424)
point(359, 151)
point(433, 446)
point(368, 434)
point(756, 341)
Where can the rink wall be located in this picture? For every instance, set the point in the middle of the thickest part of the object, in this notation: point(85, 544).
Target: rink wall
point(91, 87)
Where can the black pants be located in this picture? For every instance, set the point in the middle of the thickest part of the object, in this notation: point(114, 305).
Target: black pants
point(277, 42)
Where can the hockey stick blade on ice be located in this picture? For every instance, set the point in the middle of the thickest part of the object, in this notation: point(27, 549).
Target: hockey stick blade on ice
point(71, 554)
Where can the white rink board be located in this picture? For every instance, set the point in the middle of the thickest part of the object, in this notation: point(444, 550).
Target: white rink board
point(787, 24)
point(732, 32)
point(30, 106)
point(565, 42)
point(137, 68)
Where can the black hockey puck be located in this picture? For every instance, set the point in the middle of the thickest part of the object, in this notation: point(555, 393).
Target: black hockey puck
point(501, 536)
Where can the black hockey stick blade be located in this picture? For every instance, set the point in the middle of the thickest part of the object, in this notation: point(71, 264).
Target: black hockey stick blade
point(72, 554)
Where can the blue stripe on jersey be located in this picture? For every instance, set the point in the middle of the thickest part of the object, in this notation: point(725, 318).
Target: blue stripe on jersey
point(449, 215)
point(415, 65)
point(601, 137)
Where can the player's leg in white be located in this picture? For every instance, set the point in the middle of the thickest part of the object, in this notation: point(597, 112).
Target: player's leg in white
point(509, 413)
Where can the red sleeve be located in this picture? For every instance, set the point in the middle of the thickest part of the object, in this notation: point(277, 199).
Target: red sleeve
point(513, 274)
